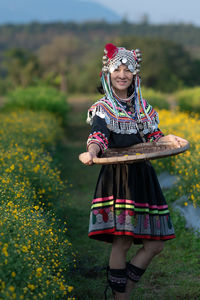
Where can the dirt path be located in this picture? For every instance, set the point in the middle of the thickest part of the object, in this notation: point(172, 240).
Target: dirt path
point(89, 279)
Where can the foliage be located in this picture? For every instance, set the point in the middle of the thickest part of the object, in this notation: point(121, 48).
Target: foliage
point(22, 35)
point(5, 86)
point(22, 67)
point(189, 99)
point(155, 98)
point(166, 65)
point(69, 55)
point(35, 256)
point(187, 165)
point(58, 56)
point(37, 98)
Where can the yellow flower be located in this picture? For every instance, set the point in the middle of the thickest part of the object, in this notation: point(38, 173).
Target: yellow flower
point(13, 274)
point(31, 286)
point(39, 269)
point(12, 167)
point(62, 287)
point(38, 272)
point(11, 288)
point(186, 204)
point(4, 250)
point(24, 249)
point(36, 168)
point(70, 288)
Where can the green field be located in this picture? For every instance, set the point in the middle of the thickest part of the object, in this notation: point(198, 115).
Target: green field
point(46, 195)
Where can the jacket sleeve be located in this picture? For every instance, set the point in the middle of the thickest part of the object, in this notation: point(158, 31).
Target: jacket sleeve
point(154, 136)
point(99, 134)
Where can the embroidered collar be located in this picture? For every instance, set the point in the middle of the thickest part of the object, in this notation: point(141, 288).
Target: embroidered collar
point(125, 122)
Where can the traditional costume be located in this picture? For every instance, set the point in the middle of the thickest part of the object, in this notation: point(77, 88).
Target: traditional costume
point(128, 199)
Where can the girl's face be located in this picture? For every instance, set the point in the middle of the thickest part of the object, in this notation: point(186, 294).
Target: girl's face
point(121, 78)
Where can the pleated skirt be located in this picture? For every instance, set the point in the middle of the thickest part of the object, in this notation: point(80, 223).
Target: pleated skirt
point(128, 201)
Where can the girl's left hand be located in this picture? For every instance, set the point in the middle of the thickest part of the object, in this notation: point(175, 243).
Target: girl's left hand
point(172, 139)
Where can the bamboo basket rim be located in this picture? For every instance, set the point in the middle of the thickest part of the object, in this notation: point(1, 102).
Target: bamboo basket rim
point(141, 152)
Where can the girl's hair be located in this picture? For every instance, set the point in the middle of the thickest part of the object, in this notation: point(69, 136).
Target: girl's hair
point(131, 88)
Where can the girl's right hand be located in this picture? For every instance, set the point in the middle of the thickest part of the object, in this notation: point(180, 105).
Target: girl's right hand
point(87, 158)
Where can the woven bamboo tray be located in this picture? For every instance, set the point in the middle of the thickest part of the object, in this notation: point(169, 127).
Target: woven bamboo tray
point(140, 152)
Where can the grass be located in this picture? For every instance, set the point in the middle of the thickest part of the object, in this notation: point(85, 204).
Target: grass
point(174, 274)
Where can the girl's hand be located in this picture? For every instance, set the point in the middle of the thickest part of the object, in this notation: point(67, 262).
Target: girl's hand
point(172, 139)
point(87, 158)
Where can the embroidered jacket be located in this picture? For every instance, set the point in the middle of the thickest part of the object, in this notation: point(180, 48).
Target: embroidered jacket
point(121, 128)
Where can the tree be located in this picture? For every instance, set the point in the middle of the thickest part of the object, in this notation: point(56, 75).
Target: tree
point(21, 66)
point(165, 66)
point(57, 58)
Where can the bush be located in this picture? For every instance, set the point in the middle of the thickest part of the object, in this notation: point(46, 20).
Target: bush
point(189, 99)
point(37, 99)
point(5, 85)
point(34, 255)
point(155, 98)
point(36, 258)
point(187, 165)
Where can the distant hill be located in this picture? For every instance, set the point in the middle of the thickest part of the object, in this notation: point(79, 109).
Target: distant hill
point(25, 11)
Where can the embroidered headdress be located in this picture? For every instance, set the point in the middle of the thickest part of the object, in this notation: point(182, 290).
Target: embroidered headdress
point(115, 56)
point(110, 108)
point(112, 59)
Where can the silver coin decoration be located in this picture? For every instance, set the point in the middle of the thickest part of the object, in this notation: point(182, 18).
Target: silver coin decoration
point(124, 60)
point(130, 67)
point(112, 69)
point(130, 58)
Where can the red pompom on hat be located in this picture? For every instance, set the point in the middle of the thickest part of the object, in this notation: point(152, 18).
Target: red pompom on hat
point(111, 50)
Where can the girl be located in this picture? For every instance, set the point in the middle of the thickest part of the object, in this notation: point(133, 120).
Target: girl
point(128, 205)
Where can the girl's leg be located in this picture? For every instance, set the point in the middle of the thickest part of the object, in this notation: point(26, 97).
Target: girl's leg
point(120, 246)
point(140, 261)
point(145, 254)
point(117, 266)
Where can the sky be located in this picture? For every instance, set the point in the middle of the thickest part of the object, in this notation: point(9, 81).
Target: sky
point(158, 11)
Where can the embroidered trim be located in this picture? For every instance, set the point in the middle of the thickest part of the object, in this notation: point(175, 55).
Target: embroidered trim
point(154, 136)
point(99, 204)
point(118, 280)
point(99, 139)
point(134, 273)
point(134, 235)
point(123, 123)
